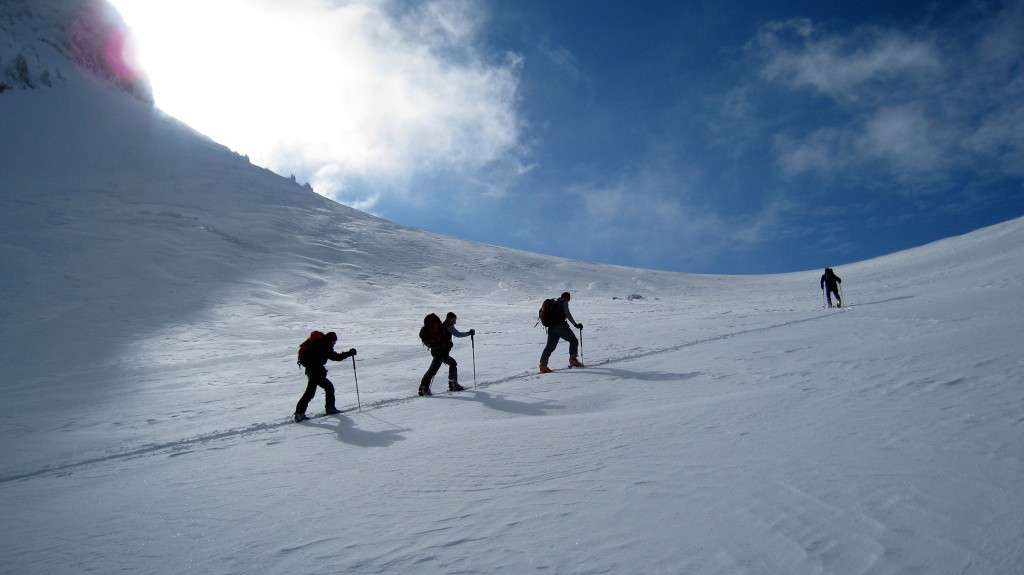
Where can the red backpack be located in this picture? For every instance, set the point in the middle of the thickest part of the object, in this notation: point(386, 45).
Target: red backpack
point(427, 337)
point(314, 338)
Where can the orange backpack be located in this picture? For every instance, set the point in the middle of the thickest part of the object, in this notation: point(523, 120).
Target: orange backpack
point(550, 313)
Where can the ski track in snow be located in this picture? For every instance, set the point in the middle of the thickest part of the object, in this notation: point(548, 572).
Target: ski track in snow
point(185, 445)
point(156, 284)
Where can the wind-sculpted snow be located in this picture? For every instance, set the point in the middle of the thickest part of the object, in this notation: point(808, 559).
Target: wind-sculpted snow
point(155, 288)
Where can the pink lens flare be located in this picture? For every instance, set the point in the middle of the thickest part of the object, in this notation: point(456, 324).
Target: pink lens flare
point(100, 42)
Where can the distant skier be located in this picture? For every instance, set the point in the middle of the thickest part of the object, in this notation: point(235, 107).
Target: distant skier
point(556, 316)
point(830, 285)
point(437, 335)
point(313, 355)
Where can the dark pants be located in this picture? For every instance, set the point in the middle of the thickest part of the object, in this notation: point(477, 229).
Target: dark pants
point(440, 356)
point(555, 333)
point(828, 296)
point(317, 378)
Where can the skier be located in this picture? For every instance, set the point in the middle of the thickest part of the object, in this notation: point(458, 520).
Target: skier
point(313, 355)
point(559, 329)
point(830, 284)
point(437, 335)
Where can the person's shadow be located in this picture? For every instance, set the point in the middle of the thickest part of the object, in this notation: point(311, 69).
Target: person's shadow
point(636, 375)
point(500, 402)
point(347, 432)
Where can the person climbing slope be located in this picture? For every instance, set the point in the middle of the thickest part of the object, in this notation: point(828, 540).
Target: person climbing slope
point(830, 284)
point(313, 355)
point(556, 317)
point(437, 336)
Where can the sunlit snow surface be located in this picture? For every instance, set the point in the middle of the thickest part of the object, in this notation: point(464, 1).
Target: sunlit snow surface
point(155, 287)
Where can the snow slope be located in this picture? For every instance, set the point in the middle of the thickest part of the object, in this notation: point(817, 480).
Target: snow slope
point(155, 285)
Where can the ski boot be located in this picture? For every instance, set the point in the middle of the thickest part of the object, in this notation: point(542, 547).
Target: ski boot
point(300, 417)
point(424, 390)
point(544, 368)
point(333, 411)
point(573, 362)
point(454, 386)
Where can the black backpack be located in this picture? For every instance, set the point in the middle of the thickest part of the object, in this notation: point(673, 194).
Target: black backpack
point(551, 312)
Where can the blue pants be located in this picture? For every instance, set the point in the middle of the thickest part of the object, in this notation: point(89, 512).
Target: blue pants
point(555, 333)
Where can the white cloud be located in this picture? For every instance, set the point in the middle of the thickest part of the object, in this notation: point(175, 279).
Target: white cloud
point(905, 136)
point(839, 65)
point(922, 103)
point(363, 90)
point(901, 137)
point(818, 152)
point(641, 211)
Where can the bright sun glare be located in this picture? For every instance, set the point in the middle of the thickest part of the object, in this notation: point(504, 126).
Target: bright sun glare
point(214, 65)
point(341, 90)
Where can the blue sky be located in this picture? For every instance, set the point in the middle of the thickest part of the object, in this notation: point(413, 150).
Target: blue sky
point(713, 137)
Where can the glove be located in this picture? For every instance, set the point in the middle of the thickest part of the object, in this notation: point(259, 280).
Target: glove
point(472, 332)
point(579, 326)
point(351, 352)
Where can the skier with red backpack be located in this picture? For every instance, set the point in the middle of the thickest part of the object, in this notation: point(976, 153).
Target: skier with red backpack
point(554, 314)
point(313, 355)
point(437, 336)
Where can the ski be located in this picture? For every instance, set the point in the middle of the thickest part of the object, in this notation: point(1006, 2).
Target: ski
point(323, 414)
point(558, 369)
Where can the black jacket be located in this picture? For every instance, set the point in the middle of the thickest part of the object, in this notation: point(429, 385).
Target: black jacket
point(320, 352)
point(831, 280)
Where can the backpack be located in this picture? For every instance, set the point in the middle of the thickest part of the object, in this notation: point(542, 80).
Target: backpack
point(428, 338)
point(311, 341)
point(551, 312)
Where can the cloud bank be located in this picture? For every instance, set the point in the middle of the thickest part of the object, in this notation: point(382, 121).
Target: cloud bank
point(338, 93)
point(920, 104)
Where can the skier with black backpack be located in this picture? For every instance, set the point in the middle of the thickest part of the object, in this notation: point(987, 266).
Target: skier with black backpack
point(554, 313)
point(830, 285)
point(437, 336)
point(313, 355)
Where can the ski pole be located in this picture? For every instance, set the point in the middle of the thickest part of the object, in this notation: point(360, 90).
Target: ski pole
point(581, 344)
point(472, 343)
point(356, 376)
point(823, 300)
point(842, 300)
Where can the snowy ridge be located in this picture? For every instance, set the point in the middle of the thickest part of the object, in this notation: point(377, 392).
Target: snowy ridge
point(48, 43)
point(156, 285)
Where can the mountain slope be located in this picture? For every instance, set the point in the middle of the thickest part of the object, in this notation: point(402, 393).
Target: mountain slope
point(155, 286)
point(122, 228)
